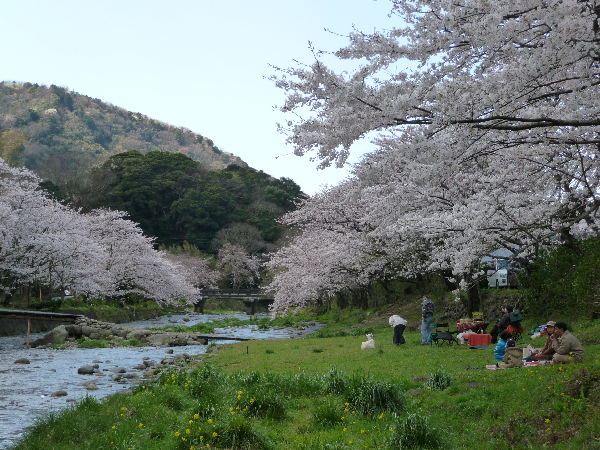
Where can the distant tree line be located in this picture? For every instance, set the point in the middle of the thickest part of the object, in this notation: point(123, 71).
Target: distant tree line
point(176, 199)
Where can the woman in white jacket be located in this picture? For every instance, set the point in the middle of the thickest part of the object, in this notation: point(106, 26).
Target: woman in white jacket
point(399, 325)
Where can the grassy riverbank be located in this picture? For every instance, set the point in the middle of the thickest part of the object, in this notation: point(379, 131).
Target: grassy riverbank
point(325, 392)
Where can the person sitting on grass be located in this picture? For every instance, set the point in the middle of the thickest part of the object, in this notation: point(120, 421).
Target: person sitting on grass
point(513, 356)
point(568, 348)
point(546, 352)
point(501, 346)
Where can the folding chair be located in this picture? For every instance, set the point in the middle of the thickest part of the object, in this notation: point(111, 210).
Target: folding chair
point(441, 334)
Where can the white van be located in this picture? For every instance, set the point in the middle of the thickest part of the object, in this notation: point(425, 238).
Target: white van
point(500, 273)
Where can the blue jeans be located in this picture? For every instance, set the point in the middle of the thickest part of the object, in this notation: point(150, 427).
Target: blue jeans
point(426, 329)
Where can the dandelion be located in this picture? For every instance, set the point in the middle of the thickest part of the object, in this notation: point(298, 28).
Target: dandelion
point(347, 404)
point(177, 434)
point(113, 427)
point(547, 420)
point(391, 429)
point(210, 421)
point(199, 428)
point(196, 416)
point(345, 429)
point(214, 434)
point(239, 392)
point(141, 425)
point(188, 431)
point(381, 416)
point(190, 422)
point(251, 400)
point(343, 417)
point(362, 431)
point(353, 412)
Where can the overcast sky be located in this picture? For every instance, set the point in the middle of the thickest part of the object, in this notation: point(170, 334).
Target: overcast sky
point(197, 64)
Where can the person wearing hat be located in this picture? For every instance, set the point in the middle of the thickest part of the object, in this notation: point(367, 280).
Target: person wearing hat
point(546, 352)
point(568, 348)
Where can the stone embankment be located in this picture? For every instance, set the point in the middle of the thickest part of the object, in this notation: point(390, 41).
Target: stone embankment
point(117, 335)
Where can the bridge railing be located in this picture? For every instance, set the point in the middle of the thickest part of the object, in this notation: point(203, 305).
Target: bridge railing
point(234, 293)
point(250, 297)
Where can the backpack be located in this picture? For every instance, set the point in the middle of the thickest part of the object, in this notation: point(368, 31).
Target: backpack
point(515, 318)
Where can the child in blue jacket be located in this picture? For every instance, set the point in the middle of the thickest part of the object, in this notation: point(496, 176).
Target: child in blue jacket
point(501, 346)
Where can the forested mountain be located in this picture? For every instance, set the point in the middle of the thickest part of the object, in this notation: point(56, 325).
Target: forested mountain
point(176, 199)
point(174, 183)
point(56, 132)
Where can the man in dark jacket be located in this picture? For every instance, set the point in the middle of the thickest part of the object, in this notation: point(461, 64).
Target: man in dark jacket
point(501, 324)
point(427, 309)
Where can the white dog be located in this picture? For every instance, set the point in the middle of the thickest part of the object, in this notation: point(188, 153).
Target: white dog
point(369, 344)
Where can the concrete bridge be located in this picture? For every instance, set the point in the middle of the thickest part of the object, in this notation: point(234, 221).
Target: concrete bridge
point(8, 317)
point(250, 297)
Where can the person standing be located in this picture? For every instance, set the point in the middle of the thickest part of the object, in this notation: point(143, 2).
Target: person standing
point(427, 309)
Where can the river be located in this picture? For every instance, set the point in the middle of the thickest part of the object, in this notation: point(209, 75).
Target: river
point(26, 389)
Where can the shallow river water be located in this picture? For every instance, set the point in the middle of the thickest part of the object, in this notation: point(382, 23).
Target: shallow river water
point(25, 389)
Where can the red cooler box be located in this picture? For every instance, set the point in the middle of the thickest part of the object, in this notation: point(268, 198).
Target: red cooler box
point(478, 339)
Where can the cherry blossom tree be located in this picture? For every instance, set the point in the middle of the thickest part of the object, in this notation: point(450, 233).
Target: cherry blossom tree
point(196, 270)
point(45, 243)
point(238, 267)
point(132, 265)
point(485, 118)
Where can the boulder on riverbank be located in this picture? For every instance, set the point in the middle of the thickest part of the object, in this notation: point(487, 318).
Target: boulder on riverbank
point(118, 335)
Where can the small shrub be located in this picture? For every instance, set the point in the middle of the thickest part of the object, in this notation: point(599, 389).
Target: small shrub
point(317, 350)
point(133, 343)
point(370, 397)
point(238, 433)
point(439, 380)
point(582, 384)
point(264, 403)
point(416, 433)
point(269, 351)
point(334, 382)
point(327, 414)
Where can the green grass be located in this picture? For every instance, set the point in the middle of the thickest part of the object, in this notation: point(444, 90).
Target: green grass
point(327, 393)
point(262, 323)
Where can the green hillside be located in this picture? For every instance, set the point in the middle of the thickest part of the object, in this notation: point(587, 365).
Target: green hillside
point(177, 185)
point(55, 132)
